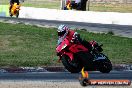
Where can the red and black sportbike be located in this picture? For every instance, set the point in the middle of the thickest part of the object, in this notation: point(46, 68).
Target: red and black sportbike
point(76, 56)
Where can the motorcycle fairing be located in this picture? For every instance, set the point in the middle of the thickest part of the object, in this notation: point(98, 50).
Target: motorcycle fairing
point(75, 48)
point(99, 57)
point(72, 48)
point(65, 43)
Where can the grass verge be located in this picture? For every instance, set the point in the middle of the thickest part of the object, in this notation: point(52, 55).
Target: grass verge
point(24, 45)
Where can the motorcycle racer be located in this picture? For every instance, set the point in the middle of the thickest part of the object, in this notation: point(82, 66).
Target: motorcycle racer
point(76, 53)
point(73, 37)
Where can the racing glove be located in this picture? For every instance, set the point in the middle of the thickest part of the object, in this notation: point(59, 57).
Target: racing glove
point(76, 38)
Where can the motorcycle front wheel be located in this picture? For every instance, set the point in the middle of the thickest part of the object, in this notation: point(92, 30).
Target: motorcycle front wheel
point(71, 66)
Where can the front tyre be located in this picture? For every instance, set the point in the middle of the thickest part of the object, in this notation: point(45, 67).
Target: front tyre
point(71, 66)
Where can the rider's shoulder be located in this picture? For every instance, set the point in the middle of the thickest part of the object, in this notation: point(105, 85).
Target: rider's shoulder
point(71, 32)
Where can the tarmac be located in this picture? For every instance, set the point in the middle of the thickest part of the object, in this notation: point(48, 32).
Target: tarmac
point(116, 67)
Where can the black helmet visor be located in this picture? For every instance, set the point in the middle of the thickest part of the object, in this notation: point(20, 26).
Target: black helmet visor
point(61, 33)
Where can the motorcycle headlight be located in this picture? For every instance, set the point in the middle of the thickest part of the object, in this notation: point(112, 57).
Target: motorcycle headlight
point(63, 47)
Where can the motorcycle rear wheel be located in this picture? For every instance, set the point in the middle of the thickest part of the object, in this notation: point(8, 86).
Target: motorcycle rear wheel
point(104, 65)
point(71, 66)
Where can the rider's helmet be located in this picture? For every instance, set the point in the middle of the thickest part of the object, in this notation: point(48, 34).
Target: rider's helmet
point(62, 30)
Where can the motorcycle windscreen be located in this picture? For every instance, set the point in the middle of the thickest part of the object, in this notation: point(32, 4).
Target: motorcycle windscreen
point(62, 45)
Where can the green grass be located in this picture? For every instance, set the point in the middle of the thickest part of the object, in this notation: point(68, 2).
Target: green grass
point(44, 4)
point(111, 7)
point(23, 45)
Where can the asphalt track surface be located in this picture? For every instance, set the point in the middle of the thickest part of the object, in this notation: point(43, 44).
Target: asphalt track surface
point(64, 76)
point(120, 30)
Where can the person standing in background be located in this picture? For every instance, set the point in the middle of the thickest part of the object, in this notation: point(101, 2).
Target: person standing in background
point(11, 4)
point(83, 5)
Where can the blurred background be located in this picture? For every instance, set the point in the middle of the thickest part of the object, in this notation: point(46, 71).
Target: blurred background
point(92, 5)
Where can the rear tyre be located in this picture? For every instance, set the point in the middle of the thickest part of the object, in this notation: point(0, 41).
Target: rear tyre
point(70, 65)
point(104, 65)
